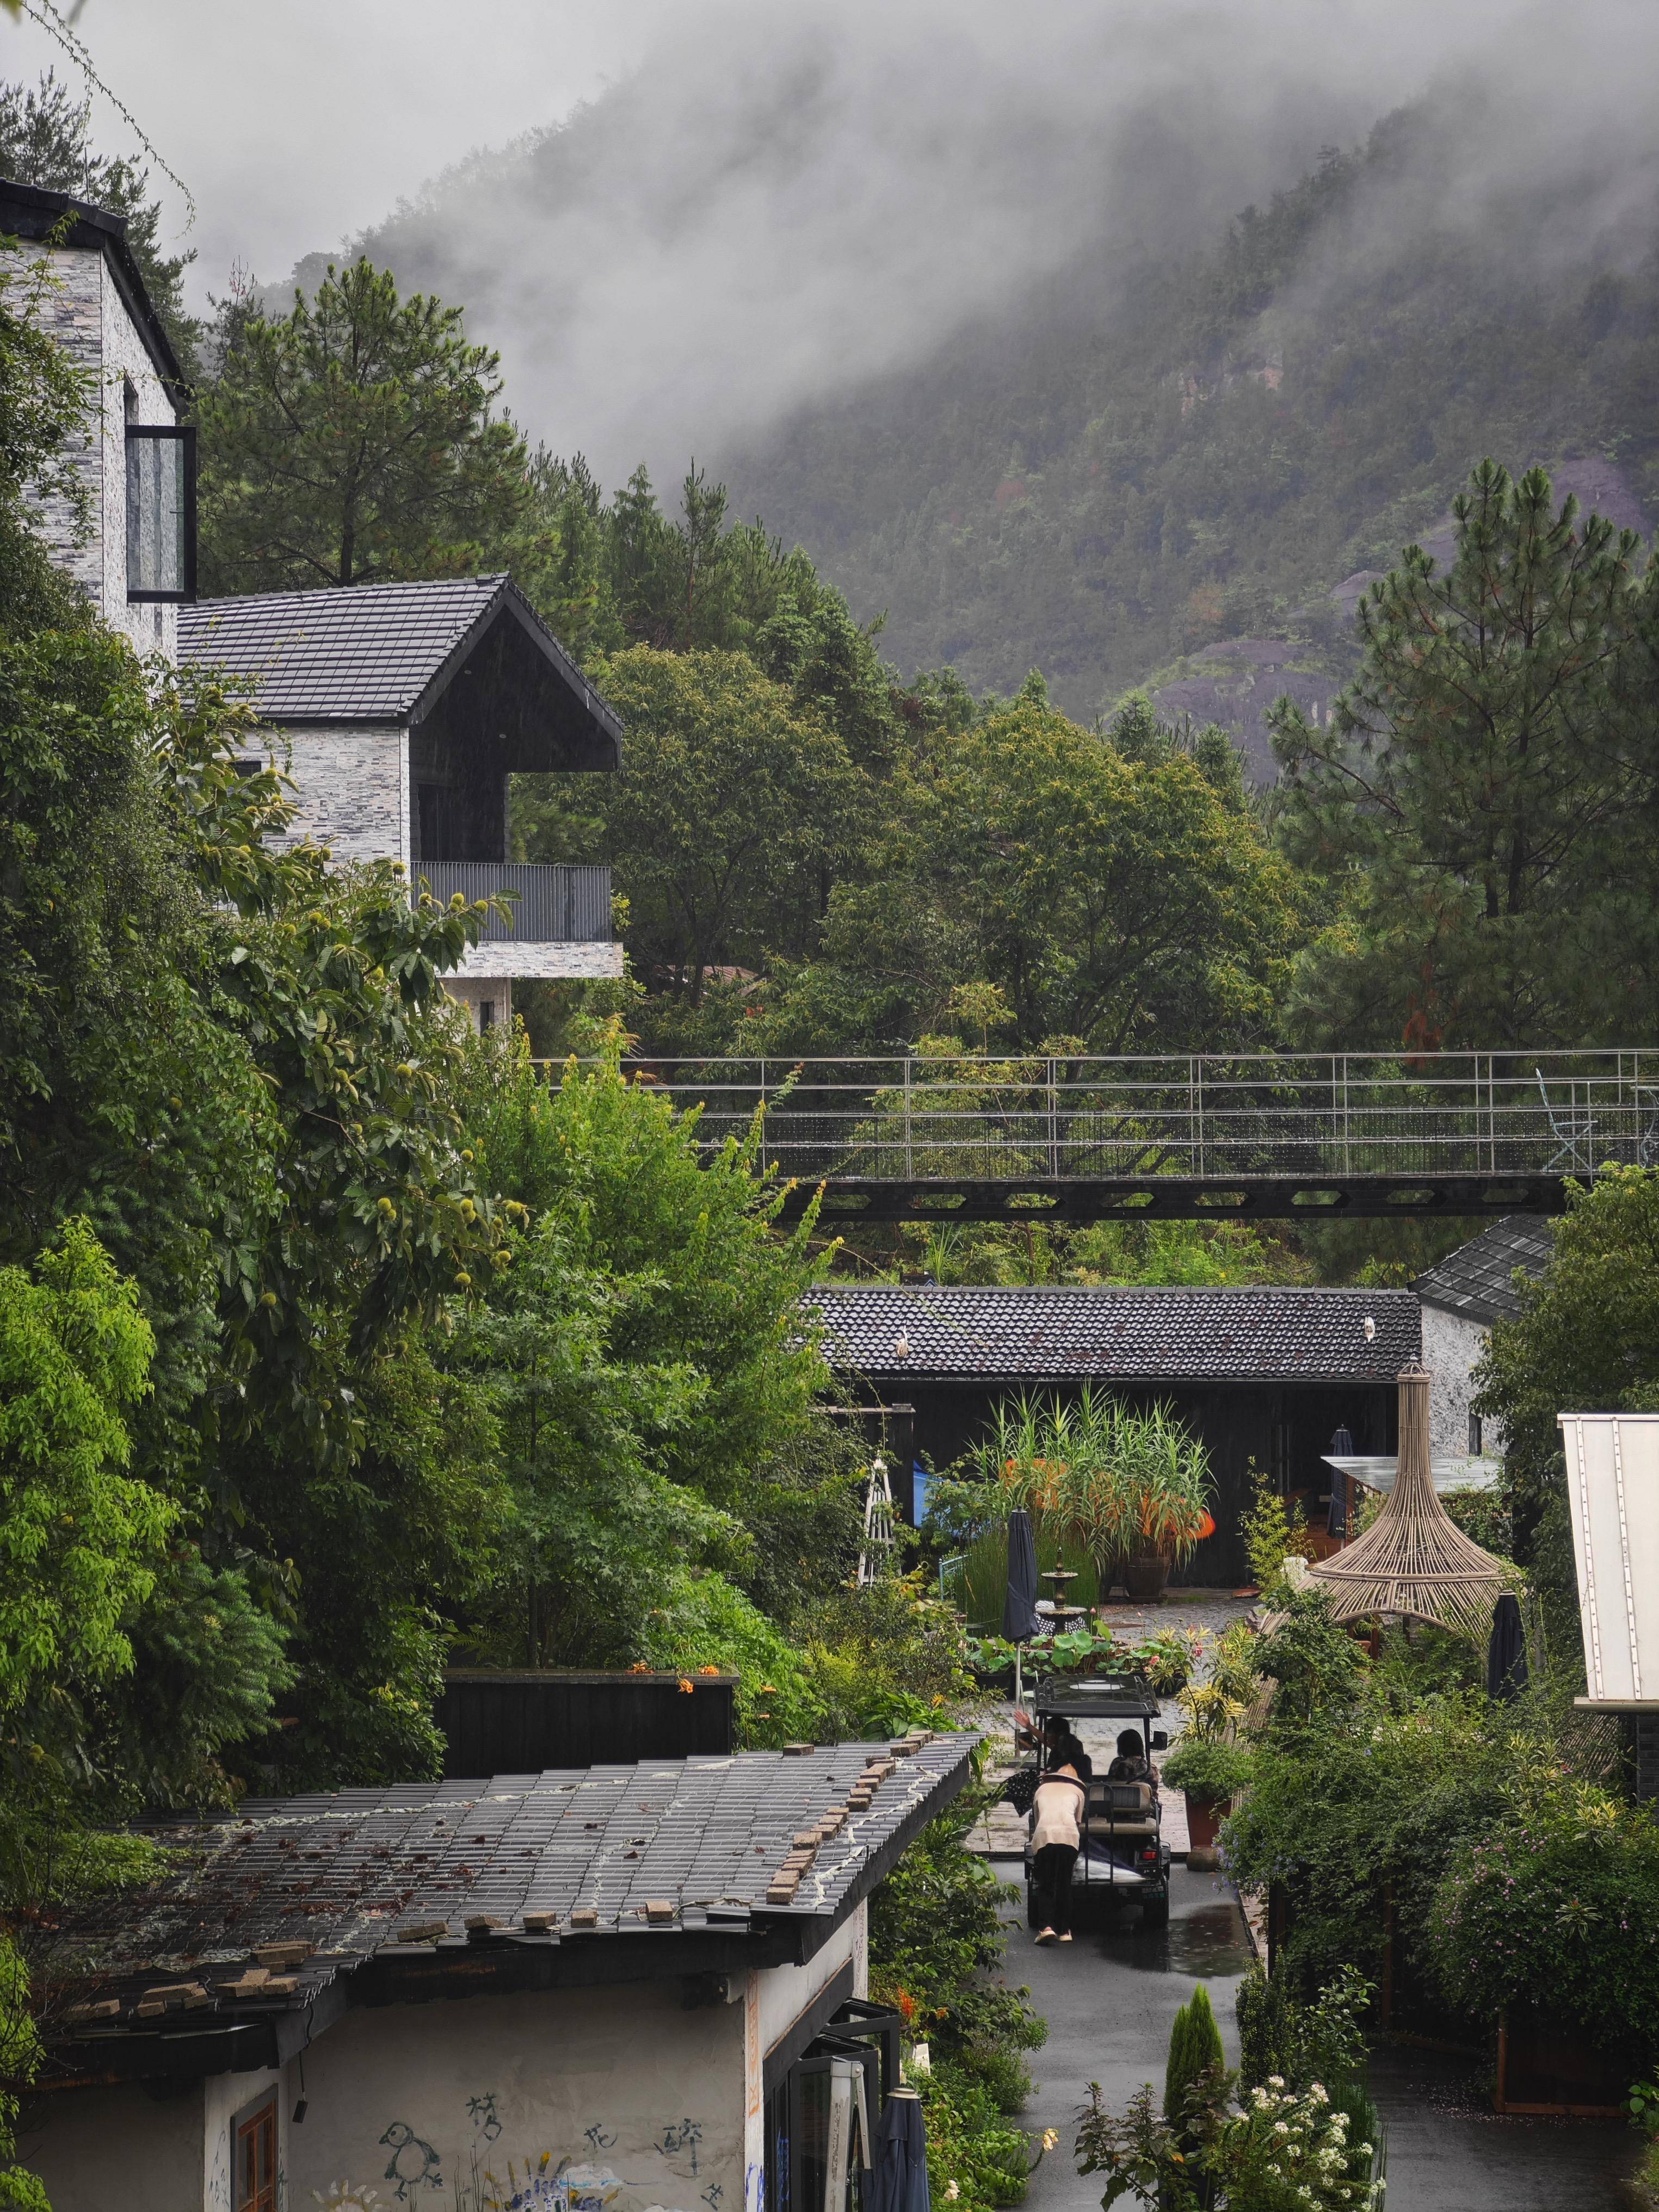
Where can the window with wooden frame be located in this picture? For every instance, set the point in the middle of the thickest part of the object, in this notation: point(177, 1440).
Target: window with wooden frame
point(253, 2144)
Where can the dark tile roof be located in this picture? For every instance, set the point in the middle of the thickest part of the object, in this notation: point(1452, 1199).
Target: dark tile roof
point(1267, 1334)
point(33, 212)
point(666, 1847)
point(1476, 1280)
point(374, 653)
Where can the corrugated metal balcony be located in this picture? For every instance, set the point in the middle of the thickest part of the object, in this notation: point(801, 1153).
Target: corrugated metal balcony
point(552, 905)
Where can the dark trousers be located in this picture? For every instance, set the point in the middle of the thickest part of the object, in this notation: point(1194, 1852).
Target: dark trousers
point(1051, 1878)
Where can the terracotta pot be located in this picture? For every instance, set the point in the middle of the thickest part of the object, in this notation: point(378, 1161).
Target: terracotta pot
point(1146, 1577)
point(1204, 1818)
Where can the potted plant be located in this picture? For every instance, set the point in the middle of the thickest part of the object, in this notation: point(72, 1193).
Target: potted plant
point(1165, 1476)
point(1211, 1772)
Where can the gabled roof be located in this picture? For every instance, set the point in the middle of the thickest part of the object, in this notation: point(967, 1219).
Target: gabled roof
point(375, 652)
point(1130, 1335)
point(526, 1881)
point(29, 212)
point(1476, 1280)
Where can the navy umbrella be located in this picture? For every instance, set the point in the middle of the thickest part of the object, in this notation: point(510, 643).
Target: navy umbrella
point(899, 2182)
point(1506, 1653)
point(1341, 1448)
point(1020, 1620)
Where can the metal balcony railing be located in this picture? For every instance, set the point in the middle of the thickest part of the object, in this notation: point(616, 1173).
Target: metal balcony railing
point(549, 904)
point(1209, 1116)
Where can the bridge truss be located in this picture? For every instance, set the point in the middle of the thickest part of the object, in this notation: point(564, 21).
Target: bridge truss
point(1202, 1136)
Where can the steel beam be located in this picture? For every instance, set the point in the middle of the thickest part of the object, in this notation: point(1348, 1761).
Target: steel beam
point(1174, 1198)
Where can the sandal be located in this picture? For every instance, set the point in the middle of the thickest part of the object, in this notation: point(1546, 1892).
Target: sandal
point(1065, 1938)
point(1046, 1936)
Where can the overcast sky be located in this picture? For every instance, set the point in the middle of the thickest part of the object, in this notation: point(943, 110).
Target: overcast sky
point(296, 122)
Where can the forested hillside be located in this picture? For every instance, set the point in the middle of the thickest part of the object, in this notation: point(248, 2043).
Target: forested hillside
point(1151, 459)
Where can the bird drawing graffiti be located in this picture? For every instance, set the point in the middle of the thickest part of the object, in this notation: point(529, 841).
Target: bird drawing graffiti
point(414, 2165)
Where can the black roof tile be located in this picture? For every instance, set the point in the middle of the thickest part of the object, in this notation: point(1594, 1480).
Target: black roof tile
point(1269, 1335)
point(1478, 1279)
point(347, 1872)
point(374, 652)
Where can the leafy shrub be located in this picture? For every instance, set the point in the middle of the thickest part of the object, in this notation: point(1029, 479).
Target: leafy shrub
point(1555, 1903)
point(1274, 1529)
point(1209, 1772)
point(970, 2147)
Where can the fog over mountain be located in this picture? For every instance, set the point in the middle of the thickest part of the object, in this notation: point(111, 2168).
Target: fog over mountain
point(775, 205)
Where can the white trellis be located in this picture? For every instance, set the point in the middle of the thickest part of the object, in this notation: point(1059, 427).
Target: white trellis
point(876, 1559)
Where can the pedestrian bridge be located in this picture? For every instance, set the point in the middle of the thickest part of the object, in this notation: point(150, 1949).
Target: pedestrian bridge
point(1203, 1137)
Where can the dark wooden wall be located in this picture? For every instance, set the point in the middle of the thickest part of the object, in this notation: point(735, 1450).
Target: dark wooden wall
point(1282, 1426)
point(522, 1723)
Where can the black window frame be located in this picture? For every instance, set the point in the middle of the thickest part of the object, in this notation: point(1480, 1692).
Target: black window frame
point(181, 433)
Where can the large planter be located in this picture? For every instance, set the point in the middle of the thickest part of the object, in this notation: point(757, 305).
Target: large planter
point(1145, 1577)
point(1204, 1818)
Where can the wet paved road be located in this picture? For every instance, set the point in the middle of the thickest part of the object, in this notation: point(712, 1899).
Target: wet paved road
point(1109, 1997)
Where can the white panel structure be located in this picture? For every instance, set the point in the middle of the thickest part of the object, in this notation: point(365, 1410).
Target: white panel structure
point(1612, 1493)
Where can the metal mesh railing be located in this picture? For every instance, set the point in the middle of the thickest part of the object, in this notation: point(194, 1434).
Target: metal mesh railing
point(549, 904)
point(1209, 1116)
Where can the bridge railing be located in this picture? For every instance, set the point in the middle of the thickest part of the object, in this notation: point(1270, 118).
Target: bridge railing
point(913, 1117)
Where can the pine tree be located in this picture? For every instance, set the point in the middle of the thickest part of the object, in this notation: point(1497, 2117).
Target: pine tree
point(1194, 2051)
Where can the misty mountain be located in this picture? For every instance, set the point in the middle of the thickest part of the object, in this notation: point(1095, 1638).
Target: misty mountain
point(1084, 350)
point(1183, 474)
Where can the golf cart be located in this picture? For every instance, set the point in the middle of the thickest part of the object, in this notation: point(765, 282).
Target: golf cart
point(1124, 1857)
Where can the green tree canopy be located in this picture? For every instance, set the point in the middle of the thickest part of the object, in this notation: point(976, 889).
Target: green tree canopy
point(1478, 801)
point(355, 441)
point(737, 805)
point(1120, 900)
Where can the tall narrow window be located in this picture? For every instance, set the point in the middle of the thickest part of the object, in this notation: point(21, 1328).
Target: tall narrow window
point(160, 512)
point(1474, 1436)
point(255, 2131)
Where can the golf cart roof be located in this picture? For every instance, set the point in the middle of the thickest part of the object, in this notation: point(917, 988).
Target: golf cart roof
point(1103, 1697)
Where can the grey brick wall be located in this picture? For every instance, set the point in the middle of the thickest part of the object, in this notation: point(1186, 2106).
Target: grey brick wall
point(84, 310)
point(352, 787)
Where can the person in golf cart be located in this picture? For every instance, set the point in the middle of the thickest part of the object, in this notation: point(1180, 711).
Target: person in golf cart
point(1132, 1764)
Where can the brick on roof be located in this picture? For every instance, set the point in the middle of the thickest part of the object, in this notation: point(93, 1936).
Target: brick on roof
point(372, 652)
point(350, 1875)
point(1478, 1279)
point(1133, 1335)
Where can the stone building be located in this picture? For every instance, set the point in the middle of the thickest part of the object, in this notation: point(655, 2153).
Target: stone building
point(134, 551)
point(400, 711)
point(614, 1988)
point(1462, 1295)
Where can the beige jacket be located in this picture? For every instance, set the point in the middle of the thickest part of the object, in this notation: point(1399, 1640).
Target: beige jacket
point(1059, 1809)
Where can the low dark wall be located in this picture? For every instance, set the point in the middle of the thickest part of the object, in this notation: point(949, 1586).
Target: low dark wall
point(521, 1724)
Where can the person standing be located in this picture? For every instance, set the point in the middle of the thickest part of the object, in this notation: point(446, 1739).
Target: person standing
point(1056, 1838)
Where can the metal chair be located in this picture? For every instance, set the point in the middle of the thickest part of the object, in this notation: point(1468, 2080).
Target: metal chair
point(1574, 1132)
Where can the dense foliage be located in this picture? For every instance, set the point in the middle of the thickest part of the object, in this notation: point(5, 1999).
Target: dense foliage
point(1586, 1339)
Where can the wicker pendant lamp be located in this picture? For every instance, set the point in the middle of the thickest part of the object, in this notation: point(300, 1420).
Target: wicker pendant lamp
point(1414, 1561)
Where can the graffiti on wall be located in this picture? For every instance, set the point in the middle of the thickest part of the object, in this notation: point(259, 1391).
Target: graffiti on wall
point(480, 2179)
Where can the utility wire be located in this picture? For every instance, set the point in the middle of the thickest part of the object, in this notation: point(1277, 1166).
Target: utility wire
point(54, 25)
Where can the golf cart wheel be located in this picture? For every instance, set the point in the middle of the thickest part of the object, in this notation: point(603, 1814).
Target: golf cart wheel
point(1155, 1910)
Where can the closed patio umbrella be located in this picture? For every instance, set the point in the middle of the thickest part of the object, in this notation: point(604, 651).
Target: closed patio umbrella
point(899, 2182)
point(1506, 1653)
point(1341, 1448)
point(1020, 1620)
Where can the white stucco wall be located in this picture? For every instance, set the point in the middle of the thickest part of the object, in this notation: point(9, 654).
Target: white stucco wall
point(1452, 1343)
point(352, 787)
point(642, 2097)
point(85, 313)
point(636, 2102)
